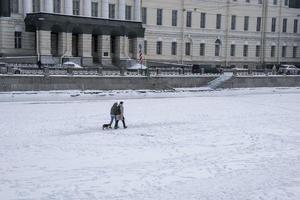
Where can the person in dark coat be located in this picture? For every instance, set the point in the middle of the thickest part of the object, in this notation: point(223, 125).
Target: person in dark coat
point(39, 64)
point(113, 113)
point(120, 115)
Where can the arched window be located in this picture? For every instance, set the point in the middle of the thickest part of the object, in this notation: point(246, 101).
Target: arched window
point(217, 47)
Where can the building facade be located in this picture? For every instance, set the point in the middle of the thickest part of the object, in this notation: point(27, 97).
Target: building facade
point(243, 33)
point(88, 32)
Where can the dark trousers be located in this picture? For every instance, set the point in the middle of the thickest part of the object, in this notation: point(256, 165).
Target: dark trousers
point(123, 121)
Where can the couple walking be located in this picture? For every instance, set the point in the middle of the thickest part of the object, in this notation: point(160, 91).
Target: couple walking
point(117, 113)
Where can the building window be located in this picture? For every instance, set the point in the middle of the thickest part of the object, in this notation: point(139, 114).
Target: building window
point(217, 47)
point(174, 17)
point(94, 9)
point(259, 1)
point(145, 47)
point(14, 6)
point(159, 16)
point(274, 2)
point(18, 40)
point(295, 25)
point(202, 49)
point(174, 48)
point(286, 2)
point(233, 22)
point(294, 52)
point(273, 49)
point(159, 47)
point(218, 21)
point(203, 20)
point(76, 7)
point(247, 1)
point(36, 6)
point(273, 28)
point(187, 49)
point(232, 50)
point(128, 12)
point(246, 23)
point(284, 25)
point(283, 53)
point(112, 11)
point(144, 15)
point(57, 6)
point(189, 19)
point(257, 51)
point(245, 50)
point(258, 24)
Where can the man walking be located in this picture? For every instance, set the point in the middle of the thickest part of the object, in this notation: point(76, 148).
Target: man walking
point(120, 115)
point(113, 113)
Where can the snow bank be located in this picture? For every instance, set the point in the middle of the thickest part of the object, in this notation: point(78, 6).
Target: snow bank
point(228, 144)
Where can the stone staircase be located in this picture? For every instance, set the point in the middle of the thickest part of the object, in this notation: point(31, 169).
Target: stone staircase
point(220, 80)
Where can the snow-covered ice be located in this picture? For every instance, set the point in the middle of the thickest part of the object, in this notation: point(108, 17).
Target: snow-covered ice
point(241, 144)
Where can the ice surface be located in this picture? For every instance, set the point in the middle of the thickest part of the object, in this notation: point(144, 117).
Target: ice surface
point(185, 144)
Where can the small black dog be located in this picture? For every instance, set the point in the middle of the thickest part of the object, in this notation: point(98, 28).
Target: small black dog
point(106, 126)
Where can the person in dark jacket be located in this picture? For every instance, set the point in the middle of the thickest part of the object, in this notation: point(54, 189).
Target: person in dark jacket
point(113, 113)
point(120, 115)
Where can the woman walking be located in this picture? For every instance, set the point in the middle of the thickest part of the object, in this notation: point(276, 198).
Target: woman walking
point(120, 115)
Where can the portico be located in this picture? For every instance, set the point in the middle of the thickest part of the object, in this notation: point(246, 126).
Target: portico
point(79, 36)
point(83, 38)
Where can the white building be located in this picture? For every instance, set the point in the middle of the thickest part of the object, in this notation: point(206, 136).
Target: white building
point(215, 32)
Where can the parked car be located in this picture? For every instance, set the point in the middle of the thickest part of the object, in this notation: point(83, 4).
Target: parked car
point(205, 69)
point(71, 65)
point(136, 66)
point(4, 69)
point(288, 70)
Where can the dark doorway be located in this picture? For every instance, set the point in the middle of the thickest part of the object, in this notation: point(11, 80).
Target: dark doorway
point(113, 44)
point(54, 44)
point(75, 45)
point(113, 47)
point(95, 48)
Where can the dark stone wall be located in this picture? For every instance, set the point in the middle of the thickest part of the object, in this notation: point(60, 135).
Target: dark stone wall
point(4, 8)
point(41, 83)
point(262, 81)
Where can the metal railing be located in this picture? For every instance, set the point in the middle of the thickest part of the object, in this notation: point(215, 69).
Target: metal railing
point(29, 69)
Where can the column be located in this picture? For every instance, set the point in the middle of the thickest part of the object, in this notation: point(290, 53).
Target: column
point(65, 44)
point(85, 49)
point(69, 7)
point(44, 42)
point(122, 50)
point(104, 49)
point(122, 9)
point(49, 6)
point(87, 8)
point(27, 6)
point(105, 9)
point(122, 47)
point(137, 10)
point(44, 47)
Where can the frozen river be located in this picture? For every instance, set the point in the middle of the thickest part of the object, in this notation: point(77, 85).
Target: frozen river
point(212, 145)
